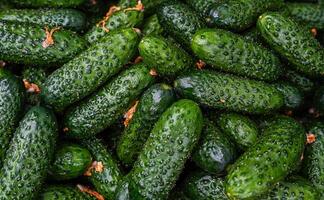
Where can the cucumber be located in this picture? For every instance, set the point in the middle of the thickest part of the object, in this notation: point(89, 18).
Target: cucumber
point(92, 68)
point(292, 42)
point(227, 92)
point(64, 192)
point(200, 185)
point(103, 108)
point(66, 18)
point(165, 153)
point(300, 81)
point(29, 155)
point(214, 151)
point(152, 104)
point(70, 161)
point(270, 160)
point(238, 15)
point(241, 129)
point(150, 6)
point(34, 75)
point(319, 99)
point(231, 53)
point(293, 98)
point(152, 26)
point(104, 181)
point(167, 58)
point(23, 44)
point(202, 6)
point(11, 101)
point(180, 21)
point(118, 20)
point(48, 3)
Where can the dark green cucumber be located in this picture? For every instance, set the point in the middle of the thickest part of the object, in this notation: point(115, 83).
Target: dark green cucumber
point(303, 83)
point(292, 42)
point(103, 108)
point(64, 192)
point(270, 160)
point(118, 20)
point(165, 152)
point(293, 98)
point(319, 99)
point(152, 104)
point(152, 26)
point(29, 155)
point(223, 91)
point(294, 188)
point(11, 101)
point(238, 15)
point(106, 181)
point(241, 129)
point(70, 161)
point(48, 3)
point(150, 6)
point(92, 68)
point(202, 6)
point(214, 151)
point(200, 185)
point(307, 13)
point(232, 53)
point(66, 18)
point(35, 75)
point(23, 44)
point(180, 21)
point(167, 58)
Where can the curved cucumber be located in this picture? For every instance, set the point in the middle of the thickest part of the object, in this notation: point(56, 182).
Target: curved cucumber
point(319, 99)
point(152, 26)
point(226, 92)
point(103, 108)
point(292, 42)
point(48, 3)
point(63, 192)
point(92, 68)
point(25, 44)
point(29, 155)
point(270, 160)
point(152, 104)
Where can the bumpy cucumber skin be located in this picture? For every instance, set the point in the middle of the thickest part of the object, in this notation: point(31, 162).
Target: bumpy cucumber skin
point(200, 185)
point(22, 44)
point(66, 18)
point(239, 15)
point(165, 152)
point(214, 152)
point(231, 53)
point(293, 98)
point(11, 101)
point(120, 19)
point(202, 6)
point(292, 42)
point(270, 160)
point(152, 26)
point(239, 128)
point(319, 99)
point(63, 192)
point(300, 81)
point(105, 182)
point(36, 75)
point(227, 92)
point(150, 6)
point(152, 104)
point(92, 68)
point(179, 21)
point(29, 155)
point(164, 56)
point(103, 108)
point(48, 3)
point(70, 161)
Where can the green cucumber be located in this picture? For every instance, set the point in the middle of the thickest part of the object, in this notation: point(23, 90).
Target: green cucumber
point(34, 75)
point(214, 151)
point(293, 98)
point(64, 192)
point(66, 18)
point(200, 185)
point(48, 3)
point(152, 26)
point(302, 82)
point(70, 161)
point(241, 129)
point(23, 44)
point(29, 155)
point(179, 21)
point(106, 181)
point(227, 92)
point(165, 153)
point(167, 58)
point(152, 104)
point(231, 53)
point(150, 6)
point(270, 160)
point(319, 99)
point(103, 108)
point(92, 68)
point(292, 42)
point(202, 6)
point(11, 101)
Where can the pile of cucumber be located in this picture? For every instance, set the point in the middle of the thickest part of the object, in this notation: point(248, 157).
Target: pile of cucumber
point(161, 100)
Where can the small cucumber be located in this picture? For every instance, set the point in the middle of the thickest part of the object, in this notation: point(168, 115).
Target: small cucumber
point(293, 98)
point(103, 108)
point(319, 99)
point(302, 82)
point(64, 192)
point(152, 104)
point(227, 92)
point(48, 3)
point(152, 26)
